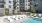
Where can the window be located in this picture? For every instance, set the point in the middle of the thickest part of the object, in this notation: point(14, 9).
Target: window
point(29, 5)
point(22, 4)
point(9, 6)
point(35, 5)
point(14, 8)
point(34, 0)
point(9, 1)
point(26, 7)
point(26, 4)
point(17, 4)
point(21, 1)
point(17, 0)
point(1, 6)
point(28, 0)
point(17, 7)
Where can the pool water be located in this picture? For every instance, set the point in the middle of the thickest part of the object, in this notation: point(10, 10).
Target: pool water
point(33, 20)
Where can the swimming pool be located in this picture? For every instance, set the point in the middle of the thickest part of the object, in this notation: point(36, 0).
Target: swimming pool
point(33, 20)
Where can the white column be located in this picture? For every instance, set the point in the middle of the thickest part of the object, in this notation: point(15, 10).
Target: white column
point(26, 5)
point(11, 9)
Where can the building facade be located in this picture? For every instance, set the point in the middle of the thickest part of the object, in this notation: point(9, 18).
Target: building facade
point(2, 8)
point(6, 4)
point(22, 6)
point(37, 4)
point(14, 5)
point(9, 5)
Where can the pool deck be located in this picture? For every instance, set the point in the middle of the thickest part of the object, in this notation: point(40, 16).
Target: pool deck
point(1, 19)
point(15, 21)
point(21, 20)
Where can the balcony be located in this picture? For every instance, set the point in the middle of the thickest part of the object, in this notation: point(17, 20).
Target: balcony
point(14, 2)
point(2, 2)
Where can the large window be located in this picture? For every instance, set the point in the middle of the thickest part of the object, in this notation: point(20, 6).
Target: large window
point(9, 1)
point(1, 6)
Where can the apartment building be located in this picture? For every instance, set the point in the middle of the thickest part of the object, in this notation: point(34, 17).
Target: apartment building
point(21, 6)
point(9, 6)
point(6, 4)
point(16, 5)
point(2, 8)
point(37, 4)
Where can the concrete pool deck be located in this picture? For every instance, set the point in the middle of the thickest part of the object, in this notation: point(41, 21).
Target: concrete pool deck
point(18, 21)
point(1, 19)
point(15, 21)
point(21, 20)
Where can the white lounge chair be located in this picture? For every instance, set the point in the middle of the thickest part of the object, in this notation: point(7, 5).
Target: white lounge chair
point(6, 20)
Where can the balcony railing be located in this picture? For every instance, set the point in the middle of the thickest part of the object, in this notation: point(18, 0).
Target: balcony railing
point(2, 1)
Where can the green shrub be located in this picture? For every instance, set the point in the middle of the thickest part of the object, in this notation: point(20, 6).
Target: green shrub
point(6, 12)
point(33, 10)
